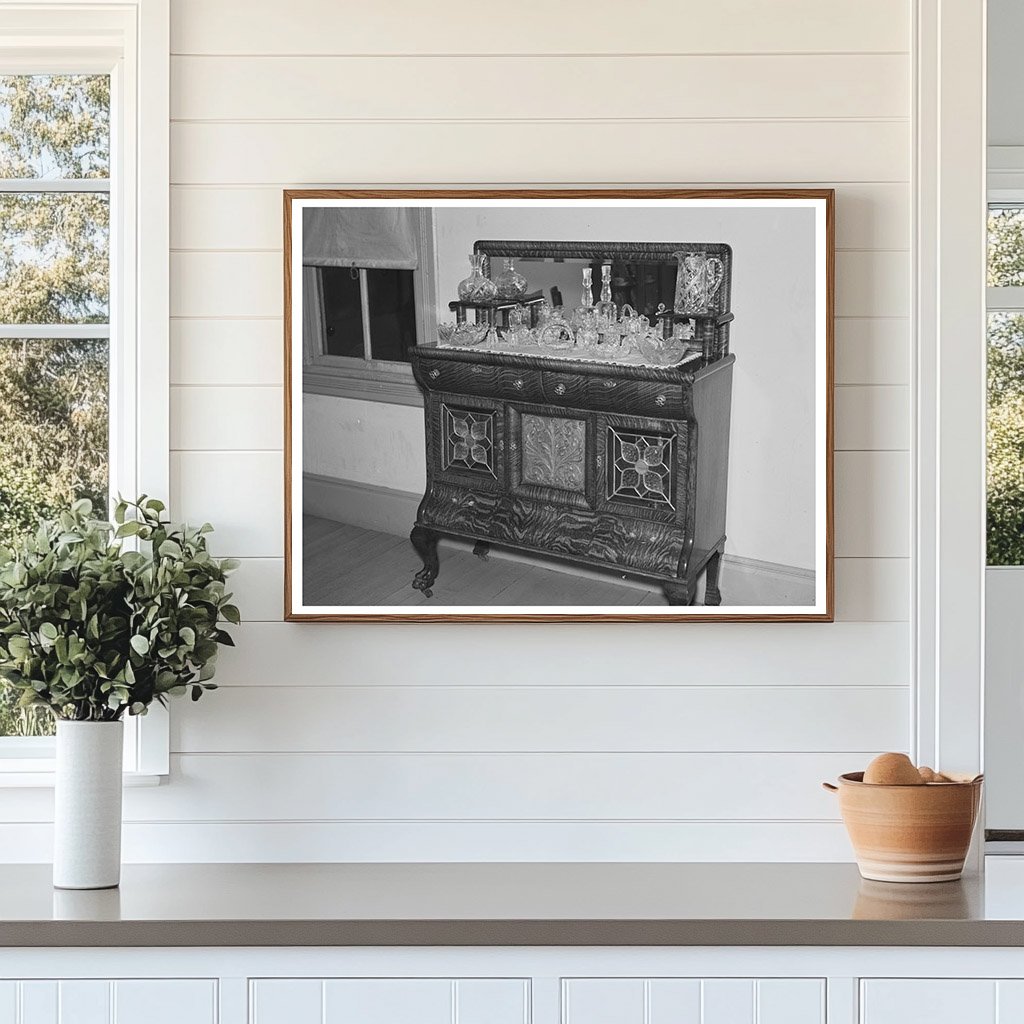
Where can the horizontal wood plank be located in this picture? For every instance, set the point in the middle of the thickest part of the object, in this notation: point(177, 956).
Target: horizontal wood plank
point(465, 152)
point(872, 589)
point(239, 492)
point(409, 27)
point(282, 88)
point(377, 787)
point(239, 719)
point(210, 418)
point(872, 283)
point(872, 504)
point(588, 654)
point(872, 350)
point(868, 216)
point(872, 418)
point(461, 842)
point(247, 353)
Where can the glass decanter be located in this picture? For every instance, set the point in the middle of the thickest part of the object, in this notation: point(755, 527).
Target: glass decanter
point(607, 310)
point(477, 287)
point(510, 283)
point(586, 305)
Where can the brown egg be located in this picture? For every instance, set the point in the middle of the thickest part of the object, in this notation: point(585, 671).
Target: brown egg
point(892, 770)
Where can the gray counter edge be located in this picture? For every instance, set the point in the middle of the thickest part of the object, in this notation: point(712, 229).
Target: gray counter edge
point(249, 933)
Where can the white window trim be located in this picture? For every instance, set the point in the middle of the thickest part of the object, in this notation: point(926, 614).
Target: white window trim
point(949, 439)
point(129, 39)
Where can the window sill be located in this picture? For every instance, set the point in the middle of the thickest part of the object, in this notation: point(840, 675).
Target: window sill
point(44, 778)
point(369, 382)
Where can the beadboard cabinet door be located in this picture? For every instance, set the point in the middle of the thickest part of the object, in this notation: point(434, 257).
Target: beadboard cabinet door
point(942, 1001)
point(693, 1001)
point(94, 1001)
point(389, 1001)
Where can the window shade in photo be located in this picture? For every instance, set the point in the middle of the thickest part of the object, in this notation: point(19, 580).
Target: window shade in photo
point(370, 237)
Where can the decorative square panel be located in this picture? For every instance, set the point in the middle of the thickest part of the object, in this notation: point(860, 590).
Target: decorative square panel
point(467, 439)
point(641, 467)
point(554, 452)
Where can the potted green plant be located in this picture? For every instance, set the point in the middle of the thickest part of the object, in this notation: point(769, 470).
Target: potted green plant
point(99, 620)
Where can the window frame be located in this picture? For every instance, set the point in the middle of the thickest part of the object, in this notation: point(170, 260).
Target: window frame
point(130, 41)
point(369, 379)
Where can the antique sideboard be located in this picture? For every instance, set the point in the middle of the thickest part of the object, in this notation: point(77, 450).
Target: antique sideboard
point(609, 465)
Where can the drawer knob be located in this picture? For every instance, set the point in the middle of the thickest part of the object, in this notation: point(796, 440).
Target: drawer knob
point(514, 445)
point(477, 370)
point(559, 389)
point(434, 374)
point(609, 384)
point(660, 400)
point(518, 384)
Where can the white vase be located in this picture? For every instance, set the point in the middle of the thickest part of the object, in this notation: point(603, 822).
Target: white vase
point(87, 806)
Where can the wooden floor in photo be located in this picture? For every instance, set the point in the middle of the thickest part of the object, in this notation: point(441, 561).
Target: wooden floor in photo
point(349, 566)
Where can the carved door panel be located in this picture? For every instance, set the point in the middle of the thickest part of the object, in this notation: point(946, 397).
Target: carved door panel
point(467, 441)
point(551, 456)
point(642, 467)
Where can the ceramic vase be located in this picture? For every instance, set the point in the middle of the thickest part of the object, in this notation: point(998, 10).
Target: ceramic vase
point(87, 805)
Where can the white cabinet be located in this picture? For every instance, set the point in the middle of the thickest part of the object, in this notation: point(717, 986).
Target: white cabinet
point(142, 1001)
point(389, 1001)
point(693, 1001)
point(942, 1001)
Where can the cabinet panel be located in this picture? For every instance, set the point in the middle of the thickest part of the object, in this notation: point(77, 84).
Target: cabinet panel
point(492, 1001)
point(675, 1001)
point(935, 1001)
point(603, 1001)
point(8, 1002)
point(728, 1002)
point(285, 1001)
point(165, 1002)
point(789, 1001)
point(388, 1001)
point(693, 1001)
point(84, 1002)
point(39, 1002)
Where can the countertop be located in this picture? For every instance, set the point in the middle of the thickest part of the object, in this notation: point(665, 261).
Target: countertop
point(476, 904)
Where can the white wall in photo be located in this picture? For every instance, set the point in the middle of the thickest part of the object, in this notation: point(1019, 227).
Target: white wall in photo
point(693, 741)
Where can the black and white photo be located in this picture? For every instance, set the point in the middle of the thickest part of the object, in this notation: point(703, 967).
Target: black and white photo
point(531, 405)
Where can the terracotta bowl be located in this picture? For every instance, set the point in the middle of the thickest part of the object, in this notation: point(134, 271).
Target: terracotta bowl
point(909, 833)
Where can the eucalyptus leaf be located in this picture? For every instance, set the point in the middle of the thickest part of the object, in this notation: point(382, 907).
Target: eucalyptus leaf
point(92, 631)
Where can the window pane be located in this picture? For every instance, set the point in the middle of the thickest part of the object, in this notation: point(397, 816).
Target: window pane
point(54, 257)
point(343, 312)
point(54, 126)
point(53, 449)
point(392, 314)
point(1005, 246)
point(1006, 439)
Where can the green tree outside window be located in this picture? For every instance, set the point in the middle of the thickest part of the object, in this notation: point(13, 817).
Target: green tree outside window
point(1005, 482)
point(54, 271)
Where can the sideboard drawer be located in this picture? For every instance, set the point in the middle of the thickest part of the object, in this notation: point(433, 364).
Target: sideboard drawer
point(462, 378)
point(639, 397)
point(521, 385)
point(566, 389)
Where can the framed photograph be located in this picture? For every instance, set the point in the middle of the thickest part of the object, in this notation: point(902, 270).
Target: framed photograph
point(558, 405)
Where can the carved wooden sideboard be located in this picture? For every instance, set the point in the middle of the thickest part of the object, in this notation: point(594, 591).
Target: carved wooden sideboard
point(606, 465)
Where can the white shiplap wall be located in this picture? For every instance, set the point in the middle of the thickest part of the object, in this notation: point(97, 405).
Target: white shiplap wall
point(691, 741)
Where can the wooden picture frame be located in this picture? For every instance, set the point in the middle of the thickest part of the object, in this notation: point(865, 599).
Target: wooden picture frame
point(613, 525)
